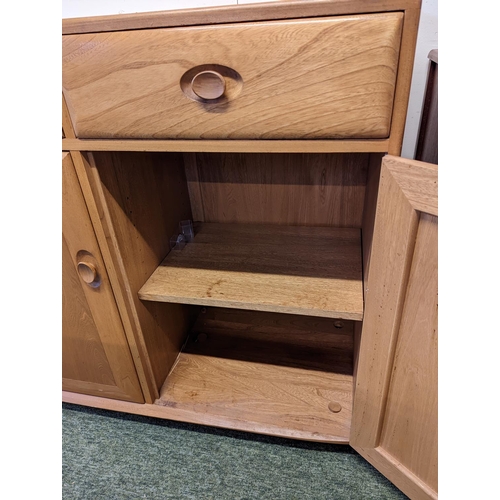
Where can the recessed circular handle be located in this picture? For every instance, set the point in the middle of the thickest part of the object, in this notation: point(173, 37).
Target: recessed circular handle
point(208, 85)
point(87, 272)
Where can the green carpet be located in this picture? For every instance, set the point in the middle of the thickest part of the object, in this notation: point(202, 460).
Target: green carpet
point(108, 455)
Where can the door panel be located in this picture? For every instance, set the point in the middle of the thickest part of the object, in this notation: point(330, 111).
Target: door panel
point(96, 359)
point(395, 403)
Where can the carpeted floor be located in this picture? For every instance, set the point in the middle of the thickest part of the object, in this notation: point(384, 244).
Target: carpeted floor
point(108, 455)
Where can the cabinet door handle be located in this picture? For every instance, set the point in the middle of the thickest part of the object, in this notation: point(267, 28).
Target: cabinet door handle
point(208, 84)
point(88, 273)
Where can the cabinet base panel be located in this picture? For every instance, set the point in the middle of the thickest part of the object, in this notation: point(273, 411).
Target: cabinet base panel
point(178, 415)
point(274, 374)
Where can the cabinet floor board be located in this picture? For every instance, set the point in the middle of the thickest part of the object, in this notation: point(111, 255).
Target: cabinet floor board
point(273, 372)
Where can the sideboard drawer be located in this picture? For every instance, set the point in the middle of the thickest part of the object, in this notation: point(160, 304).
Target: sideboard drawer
point(328, 78)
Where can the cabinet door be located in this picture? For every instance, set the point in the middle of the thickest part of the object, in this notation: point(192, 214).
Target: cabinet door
point(395, 402)
point(96, 359)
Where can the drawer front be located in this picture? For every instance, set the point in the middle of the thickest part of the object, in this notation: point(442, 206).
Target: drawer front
point(328, 78)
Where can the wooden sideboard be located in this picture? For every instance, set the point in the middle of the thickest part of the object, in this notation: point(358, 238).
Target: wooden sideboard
point(306, 304)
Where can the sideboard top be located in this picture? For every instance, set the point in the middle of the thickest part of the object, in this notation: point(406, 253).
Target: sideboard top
point(232, 14)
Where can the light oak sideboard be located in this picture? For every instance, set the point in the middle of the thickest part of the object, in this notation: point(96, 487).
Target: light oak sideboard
point(305, 306)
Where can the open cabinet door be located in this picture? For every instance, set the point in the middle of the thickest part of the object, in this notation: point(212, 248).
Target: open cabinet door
point(96, 358)
point(394, 423)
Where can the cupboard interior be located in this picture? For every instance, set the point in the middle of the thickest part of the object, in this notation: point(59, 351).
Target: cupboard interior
point(288, 222)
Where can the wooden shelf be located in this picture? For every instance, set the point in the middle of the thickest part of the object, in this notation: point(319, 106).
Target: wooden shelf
point(314, 271)
point(267, 373)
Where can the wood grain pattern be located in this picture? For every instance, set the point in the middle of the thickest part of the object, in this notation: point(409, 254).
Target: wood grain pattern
point(95, 355)
point(405, 73)
point(369, 210)
point(67, 126)
point(208, 85)
point(126, 84)
point(229, 146)
point(415, 369)
point(143, 197)
point(417, 180)
point(104, 234)
point(394, 235)
point(397, 473)
point(182, 415)
point(229, 14)
point(293, 189)
point(395, 400)
point(312, 271)
point(282, 374)
point(83, 355)
point(194, 187)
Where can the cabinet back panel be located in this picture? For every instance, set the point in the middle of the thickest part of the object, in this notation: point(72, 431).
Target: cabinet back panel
point(294, 189)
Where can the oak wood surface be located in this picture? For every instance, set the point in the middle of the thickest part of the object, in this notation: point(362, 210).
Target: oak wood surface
point(83, 355)
point(417, 180)
point(194, 186)
point(293, 189)
point(67, 126)
point(395, 402)
point(182, 415)
point(95, 355)
point(208, 85)
point(127, 84)
point(412, 401)
point(143, 197)
point(369, 210)
point(396, 224)
point(398, 474)
point(272, 371)
point(404, 79)
point(312, 271)
point(87, 271)
point(104, 234)
point(229, 146)
point(233, 13)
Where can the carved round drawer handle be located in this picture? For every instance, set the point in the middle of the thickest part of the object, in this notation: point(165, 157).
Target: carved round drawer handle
point(208, 85)
point(88, 272)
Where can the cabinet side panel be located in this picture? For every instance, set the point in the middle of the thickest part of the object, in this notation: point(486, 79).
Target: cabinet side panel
point(145, 195)
point(293, 189)
point(369, 209)
point(367, 225)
